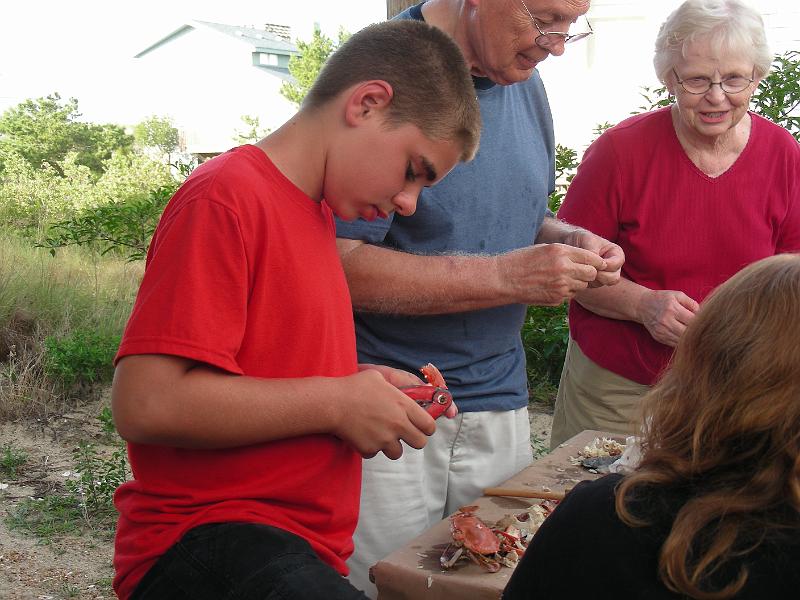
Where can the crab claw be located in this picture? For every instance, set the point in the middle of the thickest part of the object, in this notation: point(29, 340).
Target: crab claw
point(433, 376)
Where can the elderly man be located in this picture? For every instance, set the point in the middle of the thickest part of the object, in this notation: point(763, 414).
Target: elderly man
point(451, 283)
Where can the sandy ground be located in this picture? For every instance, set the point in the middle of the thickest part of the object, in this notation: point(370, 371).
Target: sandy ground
point(69, 567)
point(75, 566)
point(541, 418)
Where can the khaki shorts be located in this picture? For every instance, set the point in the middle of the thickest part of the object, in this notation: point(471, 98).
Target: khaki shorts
point(591, 397)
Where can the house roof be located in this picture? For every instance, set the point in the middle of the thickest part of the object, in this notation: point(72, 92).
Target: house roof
point(259, 40)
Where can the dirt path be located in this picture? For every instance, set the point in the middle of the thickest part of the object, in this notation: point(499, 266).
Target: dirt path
point(75, 566)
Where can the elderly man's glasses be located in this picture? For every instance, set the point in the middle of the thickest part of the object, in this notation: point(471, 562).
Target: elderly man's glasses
point(701, 85)
point(548, 39)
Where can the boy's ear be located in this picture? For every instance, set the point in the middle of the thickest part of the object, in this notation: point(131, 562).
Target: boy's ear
point(367, 99)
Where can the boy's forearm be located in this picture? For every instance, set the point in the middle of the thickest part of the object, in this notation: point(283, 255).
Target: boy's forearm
point(171, 401)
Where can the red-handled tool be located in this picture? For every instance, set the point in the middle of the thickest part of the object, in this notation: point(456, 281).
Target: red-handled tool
point(435, 400)
point(433, 397)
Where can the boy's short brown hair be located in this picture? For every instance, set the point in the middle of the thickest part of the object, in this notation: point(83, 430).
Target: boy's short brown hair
point(432, 85)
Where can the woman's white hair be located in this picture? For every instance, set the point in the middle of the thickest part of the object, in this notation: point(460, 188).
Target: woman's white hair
point(732, 28)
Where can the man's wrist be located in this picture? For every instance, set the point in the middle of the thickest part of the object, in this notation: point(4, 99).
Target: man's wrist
point(573, 235)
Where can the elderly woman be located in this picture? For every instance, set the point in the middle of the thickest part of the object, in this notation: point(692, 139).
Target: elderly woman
point(713, 509)
point(692, 193)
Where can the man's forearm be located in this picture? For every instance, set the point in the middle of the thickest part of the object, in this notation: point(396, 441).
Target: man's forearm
point(393, 282)
point(388, 281)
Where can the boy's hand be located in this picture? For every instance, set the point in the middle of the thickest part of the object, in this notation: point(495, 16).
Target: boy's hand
point(379, 415)
point(400, 378)
point(397, 377)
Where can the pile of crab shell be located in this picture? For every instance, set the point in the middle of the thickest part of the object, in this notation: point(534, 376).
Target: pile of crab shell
point(493, 547)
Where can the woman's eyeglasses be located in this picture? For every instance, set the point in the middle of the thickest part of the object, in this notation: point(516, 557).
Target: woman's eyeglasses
point(701, 85)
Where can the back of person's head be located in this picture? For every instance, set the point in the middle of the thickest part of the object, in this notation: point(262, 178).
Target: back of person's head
point(732, 28)
point(429, 77)
point(723, 424)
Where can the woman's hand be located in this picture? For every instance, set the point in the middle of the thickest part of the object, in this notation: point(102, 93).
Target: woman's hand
point(665, 314)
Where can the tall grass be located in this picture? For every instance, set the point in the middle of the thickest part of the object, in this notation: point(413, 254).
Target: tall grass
point(45, 297)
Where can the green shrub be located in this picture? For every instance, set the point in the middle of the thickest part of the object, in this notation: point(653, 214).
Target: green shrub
point(544, 336)
point(124, 228)
point(33, 198)
point(81, 357)
point(545, 332)
point(566, 163)
point(11, 461)
point(106, 418)
point(778, 95)
point(98, 478)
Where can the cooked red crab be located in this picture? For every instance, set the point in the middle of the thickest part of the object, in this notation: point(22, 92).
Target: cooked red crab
point(473, 538)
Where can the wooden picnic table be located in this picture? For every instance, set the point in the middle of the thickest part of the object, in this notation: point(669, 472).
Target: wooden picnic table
point(413, 572)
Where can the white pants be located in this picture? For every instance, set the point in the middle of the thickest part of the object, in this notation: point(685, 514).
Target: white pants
point(400, 499)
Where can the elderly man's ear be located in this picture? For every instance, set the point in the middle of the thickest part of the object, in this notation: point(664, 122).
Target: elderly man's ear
point(367, 100)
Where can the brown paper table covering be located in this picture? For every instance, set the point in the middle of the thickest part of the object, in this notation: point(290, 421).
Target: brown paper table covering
point(413, 571)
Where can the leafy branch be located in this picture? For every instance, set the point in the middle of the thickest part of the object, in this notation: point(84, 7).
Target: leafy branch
point(778, 96)
point(125, 227)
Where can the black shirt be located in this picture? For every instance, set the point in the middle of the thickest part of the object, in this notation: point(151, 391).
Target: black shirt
point(583, 550)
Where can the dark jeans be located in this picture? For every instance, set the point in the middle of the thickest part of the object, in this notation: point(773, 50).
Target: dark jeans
point(244, 561)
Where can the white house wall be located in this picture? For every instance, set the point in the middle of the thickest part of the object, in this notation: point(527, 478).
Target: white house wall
point(206, 82)
point(599, 79)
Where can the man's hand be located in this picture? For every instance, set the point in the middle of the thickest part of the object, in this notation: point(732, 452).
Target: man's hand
point(665, 314)
point(548, 274)
point(609, 251)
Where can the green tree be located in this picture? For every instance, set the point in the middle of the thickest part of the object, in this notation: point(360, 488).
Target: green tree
point(157, 132)
point(44, 130)
point(306, 66)
point(252, 131)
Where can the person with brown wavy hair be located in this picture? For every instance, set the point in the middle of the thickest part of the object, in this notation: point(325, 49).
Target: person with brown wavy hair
point(713, 509)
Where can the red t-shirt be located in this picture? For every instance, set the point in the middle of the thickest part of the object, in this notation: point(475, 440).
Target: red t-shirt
point(242, 274)
point(680, 229)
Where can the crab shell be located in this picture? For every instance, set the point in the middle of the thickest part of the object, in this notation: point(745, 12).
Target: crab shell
point(469, 531)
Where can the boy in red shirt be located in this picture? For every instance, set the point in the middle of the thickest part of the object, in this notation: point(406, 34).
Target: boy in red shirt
point(237, 386)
